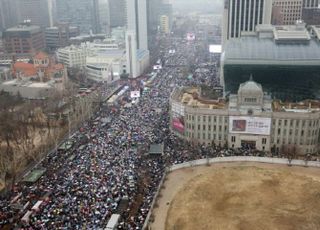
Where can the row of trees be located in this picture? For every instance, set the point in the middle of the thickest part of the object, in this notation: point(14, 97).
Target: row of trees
point(29, 129)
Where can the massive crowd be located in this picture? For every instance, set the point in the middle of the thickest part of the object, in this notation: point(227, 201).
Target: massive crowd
point(107, 171)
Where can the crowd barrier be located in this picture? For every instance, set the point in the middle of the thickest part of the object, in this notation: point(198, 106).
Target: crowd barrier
point(217, 160)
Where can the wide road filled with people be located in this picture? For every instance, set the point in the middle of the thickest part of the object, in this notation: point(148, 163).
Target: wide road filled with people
point(107, 170)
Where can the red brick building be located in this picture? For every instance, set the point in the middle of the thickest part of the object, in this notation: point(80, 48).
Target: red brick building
point(24, 39)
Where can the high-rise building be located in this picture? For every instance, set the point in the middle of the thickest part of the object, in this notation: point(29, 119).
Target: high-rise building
point(37, 11)
point(286, 12)
point(59, 35)
point(137, 38)
point(118, 13)
point(311, 16)
point(154, 9)
point(164, 24)
point(24, 39)
point(137, 21)
point(80, 13)
point(311, 3)
point(311, 12)
point(131, 52)
point(243, 16)
point(104, 16)
point(8, 14)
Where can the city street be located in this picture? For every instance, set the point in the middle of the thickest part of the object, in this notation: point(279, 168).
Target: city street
point(106, 170)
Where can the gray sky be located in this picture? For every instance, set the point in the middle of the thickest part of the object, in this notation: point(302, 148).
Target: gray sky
point(214, 6)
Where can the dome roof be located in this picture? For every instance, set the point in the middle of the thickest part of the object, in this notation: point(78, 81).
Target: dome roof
point(250, 86)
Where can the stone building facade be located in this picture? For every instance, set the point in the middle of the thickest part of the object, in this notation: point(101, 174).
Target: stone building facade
point(248, 119)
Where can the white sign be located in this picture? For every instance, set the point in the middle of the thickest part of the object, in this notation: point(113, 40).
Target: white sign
point(135, 94)
point(250, 125)
point(177, 109)
point(156, 67)
point(216, 49)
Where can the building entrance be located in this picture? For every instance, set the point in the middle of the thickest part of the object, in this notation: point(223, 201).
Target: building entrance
point(248, 144)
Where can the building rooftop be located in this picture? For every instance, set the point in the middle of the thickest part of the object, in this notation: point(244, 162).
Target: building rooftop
point(306, 106)
point(250, 86)
point(281, 45)
point(24, 28)
point(190, 97)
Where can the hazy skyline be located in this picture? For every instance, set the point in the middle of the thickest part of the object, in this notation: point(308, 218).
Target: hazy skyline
point(214, 6)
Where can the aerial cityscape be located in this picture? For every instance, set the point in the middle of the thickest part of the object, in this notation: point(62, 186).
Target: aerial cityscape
point(160, 114)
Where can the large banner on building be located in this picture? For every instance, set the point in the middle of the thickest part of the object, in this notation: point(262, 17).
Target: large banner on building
point(178, 114)
point(178, 124)
point(250, 125)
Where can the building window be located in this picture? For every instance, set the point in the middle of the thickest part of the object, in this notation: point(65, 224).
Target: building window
point(250, 100)
point(264, 141)
point(233, 139)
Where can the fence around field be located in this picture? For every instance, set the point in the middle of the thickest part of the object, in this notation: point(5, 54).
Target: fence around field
point(201, 162)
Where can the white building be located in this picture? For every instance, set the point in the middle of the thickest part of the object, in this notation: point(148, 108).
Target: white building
point(72, 56)
point(243, 16)
point(137, 21)
point(131, 51)
point(137, 38)
point(106, 66)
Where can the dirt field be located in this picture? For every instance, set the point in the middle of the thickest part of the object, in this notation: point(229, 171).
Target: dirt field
point(240, 196)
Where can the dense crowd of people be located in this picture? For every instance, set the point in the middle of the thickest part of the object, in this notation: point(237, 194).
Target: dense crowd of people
point(107, 170)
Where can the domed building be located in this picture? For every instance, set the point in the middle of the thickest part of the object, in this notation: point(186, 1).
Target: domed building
point(249, 119)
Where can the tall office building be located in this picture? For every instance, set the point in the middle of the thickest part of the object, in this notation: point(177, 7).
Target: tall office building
point(137, 21)
point(104, 16)
point(286, 12)
point(154, 12)
point(80, 13)
point(243, 16)
point(310, 4)
point(8, 14)
point(118, 13)
point(37, 11)
point(137, 38)
point(24, 39)
point(131, 52)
